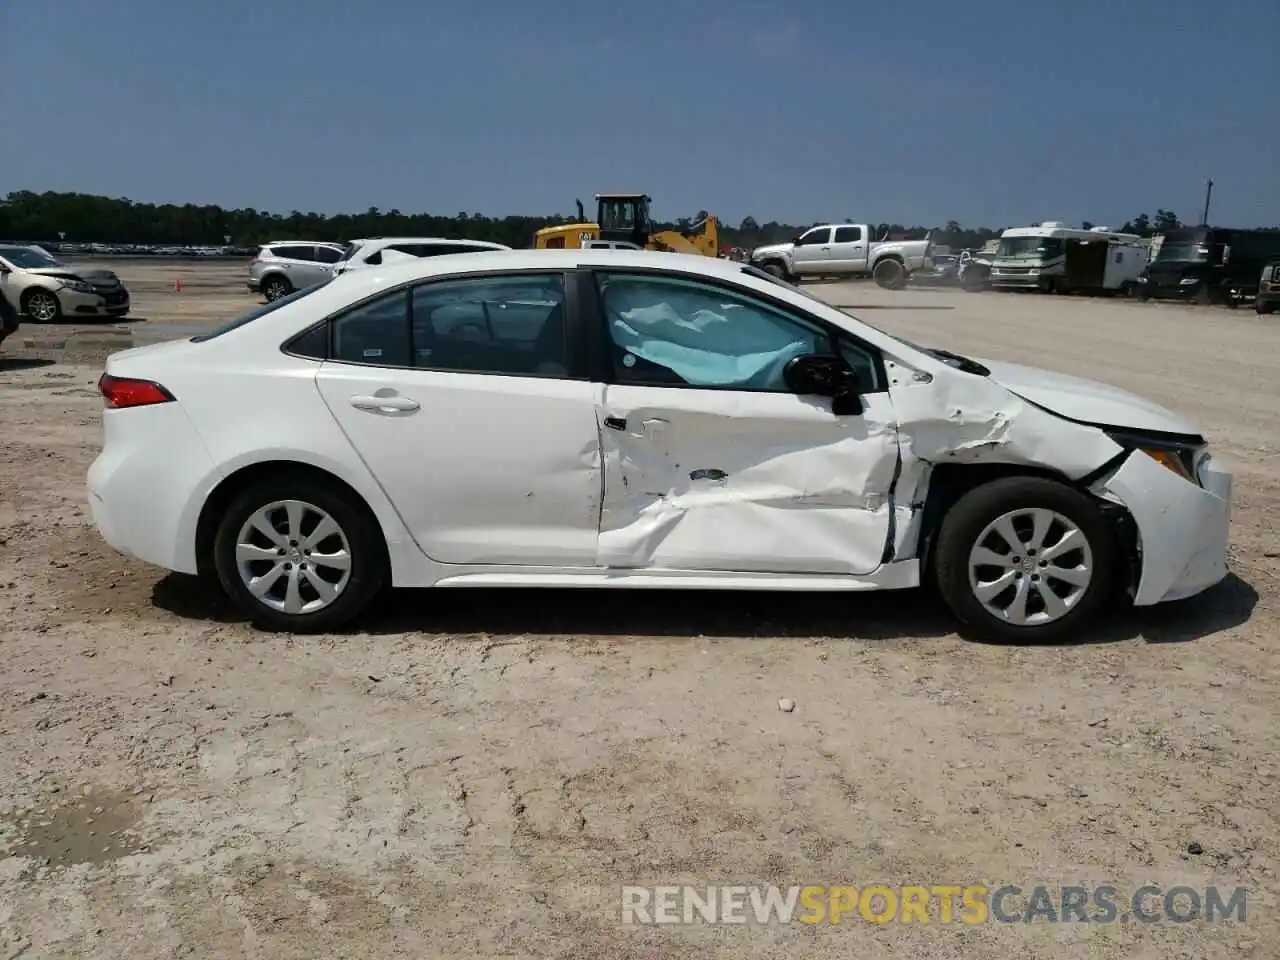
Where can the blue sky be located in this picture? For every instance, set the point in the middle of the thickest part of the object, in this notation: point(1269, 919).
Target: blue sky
point(995, 113)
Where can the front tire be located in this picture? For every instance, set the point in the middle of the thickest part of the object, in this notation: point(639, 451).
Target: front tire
point(297, 555)
point(42, 306)
point(1263, 308)
point(1026, 559)
point(777, 269)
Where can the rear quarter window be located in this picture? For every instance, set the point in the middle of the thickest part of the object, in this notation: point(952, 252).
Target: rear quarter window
point(260, 311)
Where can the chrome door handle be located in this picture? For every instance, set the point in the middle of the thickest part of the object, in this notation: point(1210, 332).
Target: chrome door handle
point(387, 405)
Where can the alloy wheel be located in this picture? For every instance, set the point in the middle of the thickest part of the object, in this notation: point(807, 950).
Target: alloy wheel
point(293, 557)
point(42, 306)
point(1030, 566)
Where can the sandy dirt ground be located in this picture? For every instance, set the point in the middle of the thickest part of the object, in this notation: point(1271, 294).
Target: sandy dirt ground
point(477, 774)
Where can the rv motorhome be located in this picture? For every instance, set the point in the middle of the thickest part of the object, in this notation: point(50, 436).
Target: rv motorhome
point(1056, 258)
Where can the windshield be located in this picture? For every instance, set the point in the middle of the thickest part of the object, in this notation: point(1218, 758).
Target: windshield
point(946, 356)
point(260, 311)
point(1184, 252)
point(1028, 248)
point(28, 259)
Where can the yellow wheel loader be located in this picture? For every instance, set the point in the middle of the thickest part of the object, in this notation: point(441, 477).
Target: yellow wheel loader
point(622, 220)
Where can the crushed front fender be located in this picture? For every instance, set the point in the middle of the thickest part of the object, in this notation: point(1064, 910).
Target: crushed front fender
point(1183, 528)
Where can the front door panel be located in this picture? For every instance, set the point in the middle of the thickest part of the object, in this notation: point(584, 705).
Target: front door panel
point(811, 256)
point(728, 480)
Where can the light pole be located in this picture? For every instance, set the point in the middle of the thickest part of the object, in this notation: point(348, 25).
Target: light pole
point(1208, 192)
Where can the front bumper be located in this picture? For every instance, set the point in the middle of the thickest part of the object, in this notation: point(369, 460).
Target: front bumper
point(1018, 281)
point(1175, 290)
point(1183, 529)
point(111, 304)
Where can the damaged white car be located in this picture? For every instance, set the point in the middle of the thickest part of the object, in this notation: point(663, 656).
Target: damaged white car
point(627, 419)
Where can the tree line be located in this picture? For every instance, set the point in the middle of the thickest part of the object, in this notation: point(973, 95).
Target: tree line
point(84, 218)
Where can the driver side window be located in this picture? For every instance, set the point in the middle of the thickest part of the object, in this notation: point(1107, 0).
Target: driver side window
point(815, 236)
point(667, 331)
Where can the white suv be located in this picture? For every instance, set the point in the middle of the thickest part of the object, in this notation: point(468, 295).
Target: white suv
point(281, 268)
point(374, 251)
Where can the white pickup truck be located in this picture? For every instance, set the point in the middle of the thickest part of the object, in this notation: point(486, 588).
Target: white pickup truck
point(843, 250)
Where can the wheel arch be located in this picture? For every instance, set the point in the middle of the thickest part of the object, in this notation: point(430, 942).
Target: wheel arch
point(219, 499)
point(891, 255)
point(31, 290)
point(948, 482)
point(274, 273)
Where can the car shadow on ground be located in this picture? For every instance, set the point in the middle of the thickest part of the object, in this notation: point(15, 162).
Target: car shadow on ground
point(14, 364)
point(887, 615)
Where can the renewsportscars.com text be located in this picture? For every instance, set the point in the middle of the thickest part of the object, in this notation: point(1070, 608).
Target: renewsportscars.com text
point(938, 903)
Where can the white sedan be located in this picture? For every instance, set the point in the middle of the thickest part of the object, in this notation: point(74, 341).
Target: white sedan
point(606, 418)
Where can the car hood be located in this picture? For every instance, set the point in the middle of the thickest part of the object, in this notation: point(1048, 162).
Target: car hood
point(99, 278)
point(1086, 401)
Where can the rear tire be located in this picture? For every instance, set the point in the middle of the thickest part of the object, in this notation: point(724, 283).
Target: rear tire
point(890, 274)
point(1049, 586)
point(284, 572)
point(275, 287)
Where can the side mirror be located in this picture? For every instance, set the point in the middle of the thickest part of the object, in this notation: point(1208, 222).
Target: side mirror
point(825, 375)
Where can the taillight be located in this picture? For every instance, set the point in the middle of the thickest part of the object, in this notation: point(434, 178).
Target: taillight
point(121, 392)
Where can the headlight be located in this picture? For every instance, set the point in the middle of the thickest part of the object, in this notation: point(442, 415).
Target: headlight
point(79, 286)
point(1183, 456)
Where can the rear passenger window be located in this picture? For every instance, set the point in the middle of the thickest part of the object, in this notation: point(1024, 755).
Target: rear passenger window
point(503, 325)
point(848, 234)
point(376, 333)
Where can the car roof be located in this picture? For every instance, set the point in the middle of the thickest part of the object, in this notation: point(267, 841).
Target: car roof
point(486, 243)
point(497, 260)
point(354, 286)
point(303, 243)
